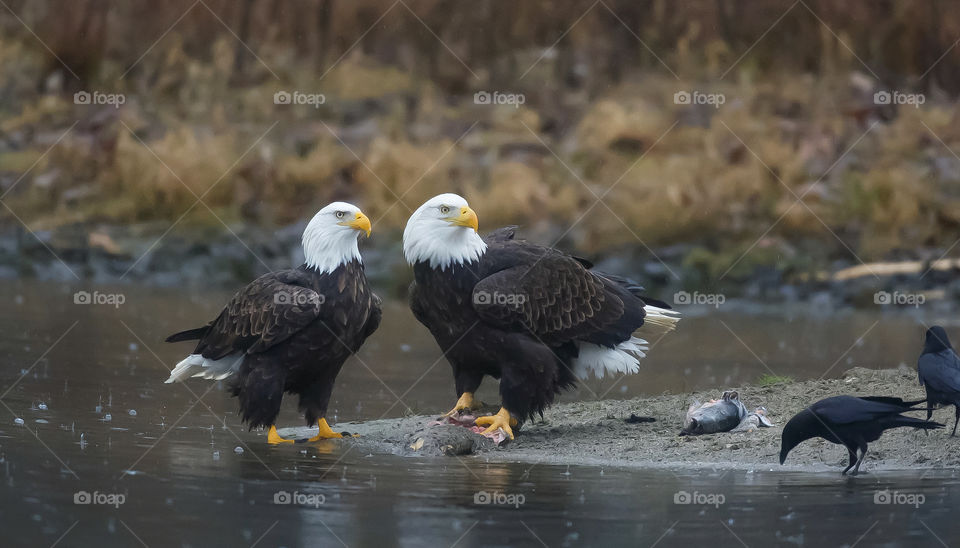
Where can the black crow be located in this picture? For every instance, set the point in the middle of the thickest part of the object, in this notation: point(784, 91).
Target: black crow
point(939, 372)
point(851, 422)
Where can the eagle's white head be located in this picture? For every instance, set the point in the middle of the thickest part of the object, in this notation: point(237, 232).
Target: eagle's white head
point(443, 232)
point(330, 238)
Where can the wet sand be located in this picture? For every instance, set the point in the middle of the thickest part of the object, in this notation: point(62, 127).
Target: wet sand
point(595, 433)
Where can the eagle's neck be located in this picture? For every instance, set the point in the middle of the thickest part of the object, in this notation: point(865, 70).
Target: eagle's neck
point(325, 251)
point(442, 248)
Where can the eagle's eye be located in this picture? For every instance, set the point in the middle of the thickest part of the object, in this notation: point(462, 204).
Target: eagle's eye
point(444, 210)
point(340, 214)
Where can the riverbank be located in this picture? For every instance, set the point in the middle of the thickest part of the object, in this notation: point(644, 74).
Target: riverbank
point(154, 254)
point(596, 433)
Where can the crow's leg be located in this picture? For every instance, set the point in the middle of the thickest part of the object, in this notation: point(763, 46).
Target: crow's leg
point(929, 414)
point(863, 455)
point(956, 409)
point(853, 460)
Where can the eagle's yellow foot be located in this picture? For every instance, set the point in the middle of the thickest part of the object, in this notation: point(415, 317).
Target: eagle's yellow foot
point(325, 432)
point(465, 403)
point(274, 438)
point(501, 420)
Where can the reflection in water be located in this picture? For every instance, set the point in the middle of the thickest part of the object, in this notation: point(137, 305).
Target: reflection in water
point(191, 475)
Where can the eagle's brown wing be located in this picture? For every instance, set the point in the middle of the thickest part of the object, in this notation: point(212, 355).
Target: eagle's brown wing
point(552, 296)
point(266, 312)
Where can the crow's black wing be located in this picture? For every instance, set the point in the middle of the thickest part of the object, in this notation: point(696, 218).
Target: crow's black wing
point(849, 409)
point(940, 371)
point(892, 401)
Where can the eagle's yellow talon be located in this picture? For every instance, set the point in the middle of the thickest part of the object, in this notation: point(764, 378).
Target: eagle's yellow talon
point(501, 420)
point(325, 432)
point(274, 438)
point(465, 403)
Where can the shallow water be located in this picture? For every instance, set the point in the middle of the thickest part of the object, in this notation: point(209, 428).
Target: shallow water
point(86, 380)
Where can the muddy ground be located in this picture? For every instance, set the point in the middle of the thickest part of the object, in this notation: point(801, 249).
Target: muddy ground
point(595, 433)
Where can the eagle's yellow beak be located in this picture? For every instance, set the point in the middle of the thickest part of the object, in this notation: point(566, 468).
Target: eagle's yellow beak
point(467, 217)
point(361, 222)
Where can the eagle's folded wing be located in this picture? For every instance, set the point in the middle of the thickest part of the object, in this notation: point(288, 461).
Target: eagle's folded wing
point(266, 312)
point(555, 298)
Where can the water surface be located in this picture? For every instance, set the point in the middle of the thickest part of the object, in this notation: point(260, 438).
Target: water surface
point(86, 380)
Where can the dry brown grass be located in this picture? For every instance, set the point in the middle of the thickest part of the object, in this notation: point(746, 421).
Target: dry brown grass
point(719, 178)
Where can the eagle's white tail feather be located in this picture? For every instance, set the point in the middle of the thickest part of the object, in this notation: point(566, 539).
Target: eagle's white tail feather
point(661, 320)
point(196, 365)
point(600, 360)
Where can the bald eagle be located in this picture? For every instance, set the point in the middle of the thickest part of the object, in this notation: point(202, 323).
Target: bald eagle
point(531, 316)
point(291, 330)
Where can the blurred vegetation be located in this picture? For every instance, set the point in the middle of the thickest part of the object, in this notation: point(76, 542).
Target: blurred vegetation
point(399, 123)
point(770, 379)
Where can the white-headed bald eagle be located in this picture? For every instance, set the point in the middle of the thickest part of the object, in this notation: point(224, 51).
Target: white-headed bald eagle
point(291, 330)
point(531, 316)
